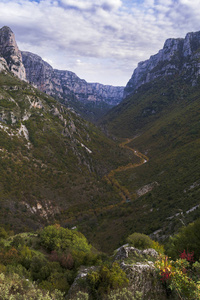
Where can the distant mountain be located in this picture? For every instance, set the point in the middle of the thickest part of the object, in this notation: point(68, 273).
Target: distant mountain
point(66, 84)
point(179, 57)
point(91, 100)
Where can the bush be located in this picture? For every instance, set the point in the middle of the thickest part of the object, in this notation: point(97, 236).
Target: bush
point(3, 233)
point(14, 287)
point(17, 241)
point(140, 241)
point(55, 237)
point(187, 239)
point(179, 276)
point(80, 296)
point(17, 269)
point(124, 294)
point(56, 281)
point(38, 268)
point(106, 279)
point(65, 259)
point(158, 247)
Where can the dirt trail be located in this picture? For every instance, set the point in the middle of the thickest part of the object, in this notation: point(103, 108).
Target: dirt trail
point(110, 178)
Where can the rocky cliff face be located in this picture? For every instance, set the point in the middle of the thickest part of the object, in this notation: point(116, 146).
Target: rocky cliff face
point(10, 53)
point(178, 56)
point(66, 84)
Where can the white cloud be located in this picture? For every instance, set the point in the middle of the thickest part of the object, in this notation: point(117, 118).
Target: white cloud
point(91, 4)
point(100, 40)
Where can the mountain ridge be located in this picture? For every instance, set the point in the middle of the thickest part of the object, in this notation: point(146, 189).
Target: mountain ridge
point(63, 83)
point(177, 57)
point(89, 99)
point(11, 53)
point(161, 110)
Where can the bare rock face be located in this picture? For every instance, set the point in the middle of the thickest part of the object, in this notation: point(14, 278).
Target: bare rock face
point(66, 84)
point(125, 251)
point(3, 64)
point(10, 52)
point(140, 270)
point(60, 84)
point(178, 57)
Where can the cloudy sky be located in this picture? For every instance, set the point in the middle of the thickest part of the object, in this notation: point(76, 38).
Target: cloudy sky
point(100, 40)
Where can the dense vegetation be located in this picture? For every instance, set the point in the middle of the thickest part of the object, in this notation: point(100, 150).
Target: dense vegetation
point(44, 265)
point(54, 177)
point(57, 168)
point(50, 258)
point(88, 110)
point(163, 119)
point(52, 162)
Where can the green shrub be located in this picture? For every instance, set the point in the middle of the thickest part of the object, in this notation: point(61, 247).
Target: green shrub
point(80, 296)
point(106, 279)
point(180, 277)
point(56, 281)
point(17, 241)
point(17, 269)
point(124, 294)
point(158, 247)
point(3, 233)
point(140, 241)
point(39, 269)
point(188, 239)
point(55, 237)
point(14, 287)
point(26, 256)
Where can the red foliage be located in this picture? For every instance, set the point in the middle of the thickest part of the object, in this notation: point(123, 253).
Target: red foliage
point(10, 256)
point(65, 260)
point(165, 275)
point(188, 256)
point(54, 256)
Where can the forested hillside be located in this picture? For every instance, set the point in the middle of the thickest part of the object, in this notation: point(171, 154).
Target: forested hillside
point(162, 119)
point(52, 161)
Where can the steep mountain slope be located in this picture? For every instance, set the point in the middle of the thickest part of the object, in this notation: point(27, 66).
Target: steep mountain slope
point(51, 161)
point(178, 57)
point(163, 118)
point(66, 84)
point(88, 99)
point(91, 100)
point(11, 53)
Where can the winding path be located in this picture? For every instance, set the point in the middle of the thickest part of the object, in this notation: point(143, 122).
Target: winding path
point(110, 178)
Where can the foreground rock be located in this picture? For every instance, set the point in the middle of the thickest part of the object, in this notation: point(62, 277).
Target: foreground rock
point(140, 270)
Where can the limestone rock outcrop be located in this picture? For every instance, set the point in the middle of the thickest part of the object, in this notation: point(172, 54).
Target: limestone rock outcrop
point(3, 64)
point(141, 272)
point(10, 52)
point(67, 85)
point(178, 57)
point(61, 84)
